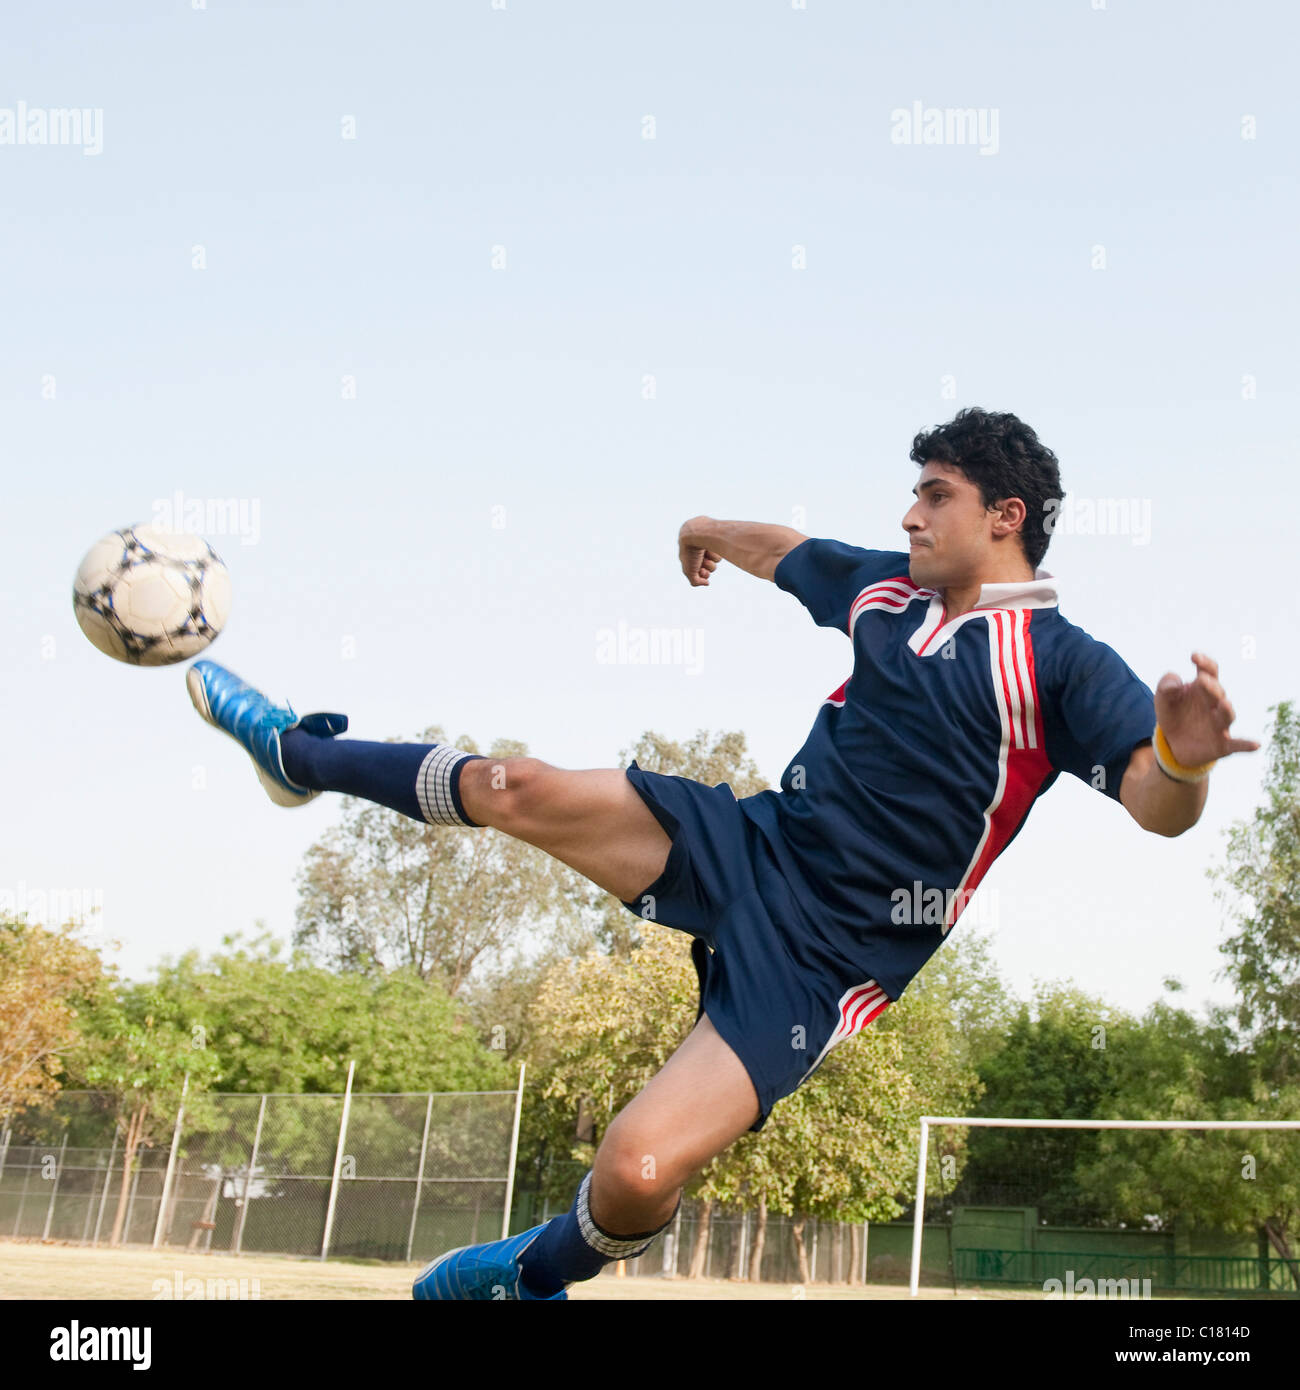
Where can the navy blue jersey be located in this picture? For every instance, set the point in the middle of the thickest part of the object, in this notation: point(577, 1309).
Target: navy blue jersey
point(922, 767)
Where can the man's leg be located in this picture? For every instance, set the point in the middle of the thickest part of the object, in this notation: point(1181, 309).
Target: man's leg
point(698, 1104)
point(593, 820)
point(695, 1108)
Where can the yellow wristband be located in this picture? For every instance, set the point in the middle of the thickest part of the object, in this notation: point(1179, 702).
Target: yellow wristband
point(1172, 767)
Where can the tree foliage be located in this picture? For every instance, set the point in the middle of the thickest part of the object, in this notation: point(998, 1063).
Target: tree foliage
point(274, 1021)
point(1057, 1062)
point(1261, 882)
point(47, 979)
point(380, 891)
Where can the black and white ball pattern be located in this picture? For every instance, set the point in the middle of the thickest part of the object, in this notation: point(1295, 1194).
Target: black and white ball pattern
point(151, 597)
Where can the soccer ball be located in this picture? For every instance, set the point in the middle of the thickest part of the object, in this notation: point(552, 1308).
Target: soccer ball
point(151, 597)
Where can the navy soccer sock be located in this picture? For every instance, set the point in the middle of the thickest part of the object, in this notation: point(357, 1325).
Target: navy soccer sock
point(421, 780)
point(572, 1247)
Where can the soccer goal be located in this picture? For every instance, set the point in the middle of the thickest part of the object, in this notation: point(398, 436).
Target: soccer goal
point(1175, 1206)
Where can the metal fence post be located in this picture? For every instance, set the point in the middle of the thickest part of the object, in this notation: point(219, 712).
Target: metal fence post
point(108, 1182)
point(54, 1192)
point(130, 1201)
point(338, 1165)
point(248, 1177)
point(671, 1242)
point(419, 1178)
point(22, 1200)
point(171, 1165)
point(4, 1146)
point(866, 1232)
point(514, 1151)
point(917, 1222)
point(90, 1211)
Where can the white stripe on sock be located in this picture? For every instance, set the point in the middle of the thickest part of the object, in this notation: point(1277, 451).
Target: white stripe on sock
point(610, 1246)
point(433, 786)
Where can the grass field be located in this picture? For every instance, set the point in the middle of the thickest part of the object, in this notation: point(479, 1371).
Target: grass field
point(34, 1270)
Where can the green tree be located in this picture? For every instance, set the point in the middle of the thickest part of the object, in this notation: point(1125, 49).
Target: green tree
point(1261, 883)
point(274, 1021)
point(606, 1025)
point(380, 891)
point(137, 1051)
point(1057, 1063)
point(1177, 1067)
point(47, 980)
point(958, 998)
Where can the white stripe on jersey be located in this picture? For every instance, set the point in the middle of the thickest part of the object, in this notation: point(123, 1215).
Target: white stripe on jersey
point(892, 595)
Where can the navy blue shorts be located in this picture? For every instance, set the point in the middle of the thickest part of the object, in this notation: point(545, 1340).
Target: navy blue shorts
point(776, 1000)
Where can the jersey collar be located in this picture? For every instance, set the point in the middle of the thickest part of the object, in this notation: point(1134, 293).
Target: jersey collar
point(1038, 592)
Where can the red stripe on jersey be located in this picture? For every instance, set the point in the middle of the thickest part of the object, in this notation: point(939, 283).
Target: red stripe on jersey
point(1027, 768)
point(864, 1009)
point(893, 595)
point(1008, 637)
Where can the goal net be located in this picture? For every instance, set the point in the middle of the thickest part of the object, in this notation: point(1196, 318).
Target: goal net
point(1108, 1208)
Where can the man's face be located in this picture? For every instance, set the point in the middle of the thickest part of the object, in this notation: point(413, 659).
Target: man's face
point(949, 527)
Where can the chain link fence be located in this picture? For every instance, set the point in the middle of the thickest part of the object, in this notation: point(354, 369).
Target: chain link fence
point(721, 1245)
point(416, 1174)
point(835, 1252)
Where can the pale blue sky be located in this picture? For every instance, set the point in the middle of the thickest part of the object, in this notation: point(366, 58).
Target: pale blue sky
point(500, 489)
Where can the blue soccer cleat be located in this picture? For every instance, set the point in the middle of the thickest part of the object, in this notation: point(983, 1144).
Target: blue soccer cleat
point(489, 1271)
point(235, 708)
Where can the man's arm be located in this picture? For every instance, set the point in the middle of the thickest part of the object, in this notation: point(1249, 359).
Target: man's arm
point(1156, 801)
point(1194, 719)
point(751, 546)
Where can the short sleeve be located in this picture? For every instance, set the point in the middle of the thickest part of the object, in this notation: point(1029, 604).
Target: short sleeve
point(1104, 712)
point(826, 576)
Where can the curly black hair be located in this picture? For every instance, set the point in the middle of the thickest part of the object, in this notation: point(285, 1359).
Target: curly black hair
point(1003, 457)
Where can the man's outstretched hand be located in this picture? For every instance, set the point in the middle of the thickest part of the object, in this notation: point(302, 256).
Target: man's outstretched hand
point(1195, 716)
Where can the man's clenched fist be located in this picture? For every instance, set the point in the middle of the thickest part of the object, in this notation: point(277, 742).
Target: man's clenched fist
point(698, 561)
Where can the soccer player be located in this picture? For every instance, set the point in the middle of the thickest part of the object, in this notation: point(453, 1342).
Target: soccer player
point(811, 907)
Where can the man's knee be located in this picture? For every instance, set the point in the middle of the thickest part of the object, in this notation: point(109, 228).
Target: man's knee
point(515, 787)
point(638, 1168)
